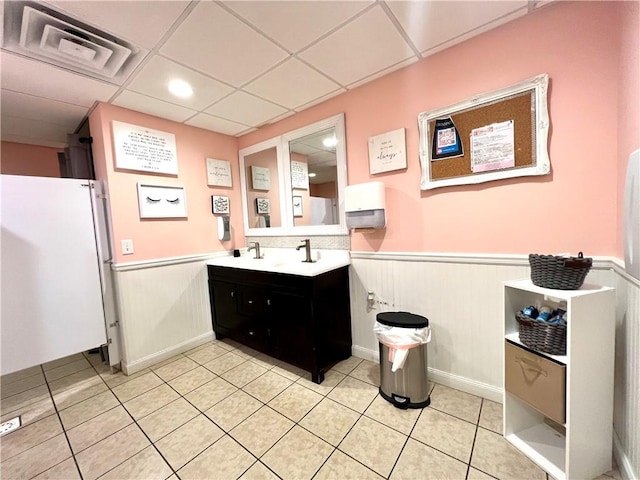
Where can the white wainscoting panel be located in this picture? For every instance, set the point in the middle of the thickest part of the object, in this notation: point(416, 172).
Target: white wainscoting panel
point(461, 297)
point(626, 410)
point(163, 310)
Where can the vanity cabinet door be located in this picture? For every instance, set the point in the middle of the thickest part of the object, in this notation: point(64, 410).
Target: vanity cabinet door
point(291, 334)
point(223, 307)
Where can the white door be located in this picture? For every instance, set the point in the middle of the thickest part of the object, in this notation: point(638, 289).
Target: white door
point(51, 304)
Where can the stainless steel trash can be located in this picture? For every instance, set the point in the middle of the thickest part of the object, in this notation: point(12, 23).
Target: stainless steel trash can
point(407, 387)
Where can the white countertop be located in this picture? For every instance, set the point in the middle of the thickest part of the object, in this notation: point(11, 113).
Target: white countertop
point(286, 260)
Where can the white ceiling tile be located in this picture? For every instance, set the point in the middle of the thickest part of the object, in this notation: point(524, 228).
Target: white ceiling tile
point(244, 108)
point(30, 128)
point(292, 84)
point(295, 25)
point(215, 42)
point(367, 45)
point(319, 100)
point(152, 106)
point(27, 106)
point(141, 22)
point(209, 122)
point(486, 27)
point(154, 78)
point(429, 24)
point(43, 80)
point(384, 72)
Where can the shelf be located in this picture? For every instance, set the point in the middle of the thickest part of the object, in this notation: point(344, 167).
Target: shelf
point(528, 286)
point(515, 338)
point(544, 446)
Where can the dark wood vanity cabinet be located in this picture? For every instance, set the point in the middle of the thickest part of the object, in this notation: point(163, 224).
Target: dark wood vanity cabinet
point(304, 321)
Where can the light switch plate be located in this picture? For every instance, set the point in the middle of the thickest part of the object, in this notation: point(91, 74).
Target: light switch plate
point(127, 247)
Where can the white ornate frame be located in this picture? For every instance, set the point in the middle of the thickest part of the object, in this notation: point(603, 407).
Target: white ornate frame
point(542, 166)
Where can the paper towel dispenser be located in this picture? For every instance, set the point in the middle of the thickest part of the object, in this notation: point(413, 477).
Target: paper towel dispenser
point(365, 205)
point(631, 234)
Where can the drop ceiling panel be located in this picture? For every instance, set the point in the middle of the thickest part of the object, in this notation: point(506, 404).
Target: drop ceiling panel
point(282, 85)
point(27, 106)
point(155, 76)
point(295, 25)
point(209, 122)
point(384, 72)
point(153, 106)
point(43, 80)
point(484, 28)
point(141, 22)
point(216, 43)
point(367, 45)
point(429, 24)
point(30, 128)
point(247, 109)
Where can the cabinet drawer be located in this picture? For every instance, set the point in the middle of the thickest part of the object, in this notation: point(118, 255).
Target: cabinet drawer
point(536, 380)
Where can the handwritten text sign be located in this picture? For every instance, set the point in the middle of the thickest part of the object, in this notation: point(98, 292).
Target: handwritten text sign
point(299, 175)
point(218, 172)
point(144, 149)
point(387, 152)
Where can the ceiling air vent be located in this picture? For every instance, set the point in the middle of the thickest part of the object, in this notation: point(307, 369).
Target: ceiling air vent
point(36, 31)
point(51, 37)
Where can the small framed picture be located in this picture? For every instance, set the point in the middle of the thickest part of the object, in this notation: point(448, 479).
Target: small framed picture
point(219, 204)
point(297, 206)
point(262, 206)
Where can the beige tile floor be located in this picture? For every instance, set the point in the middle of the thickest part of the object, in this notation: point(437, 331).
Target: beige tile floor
point(222, 411)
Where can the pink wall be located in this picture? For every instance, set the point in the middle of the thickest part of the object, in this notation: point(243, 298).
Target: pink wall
point(628, 101)
point(33, 160)
point(158, 238)
point(572, 209)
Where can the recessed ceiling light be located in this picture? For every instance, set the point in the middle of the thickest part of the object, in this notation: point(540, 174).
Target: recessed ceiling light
point(330, 141)
point(180, 88)
point(311, 174)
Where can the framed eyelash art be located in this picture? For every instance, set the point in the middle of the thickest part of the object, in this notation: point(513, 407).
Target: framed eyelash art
point(161, 201)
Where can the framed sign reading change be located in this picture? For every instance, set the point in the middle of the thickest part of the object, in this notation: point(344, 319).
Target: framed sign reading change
point(501, 134)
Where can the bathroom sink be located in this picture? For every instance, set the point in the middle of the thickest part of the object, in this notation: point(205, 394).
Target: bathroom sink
point(286, 260)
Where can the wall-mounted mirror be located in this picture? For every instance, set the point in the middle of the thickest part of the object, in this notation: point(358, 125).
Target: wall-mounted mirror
point(310, 166)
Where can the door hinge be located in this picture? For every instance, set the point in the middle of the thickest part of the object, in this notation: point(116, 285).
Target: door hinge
point(113, 325)
point(109, 341)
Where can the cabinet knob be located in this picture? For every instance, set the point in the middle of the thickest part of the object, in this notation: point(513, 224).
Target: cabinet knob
point(252, 333)
point(250, 302)
point(232, 293)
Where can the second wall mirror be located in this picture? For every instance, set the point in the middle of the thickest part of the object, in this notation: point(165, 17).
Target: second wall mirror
point(307, 174)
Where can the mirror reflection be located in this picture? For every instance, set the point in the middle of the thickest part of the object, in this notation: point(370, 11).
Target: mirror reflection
point(263, 191)
point(314, 179)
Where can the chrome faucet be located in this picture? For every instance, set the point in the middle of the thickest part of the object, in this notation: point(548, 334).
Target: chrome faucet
point(256, 247)
point(306, 244)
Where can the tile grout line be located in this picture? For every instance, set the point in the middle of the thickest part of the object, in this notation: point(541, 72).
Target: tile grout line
point(64, 429)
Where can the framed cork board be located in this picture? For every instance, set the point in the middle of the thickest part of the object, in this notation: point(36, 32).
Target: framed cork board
point(501, 134)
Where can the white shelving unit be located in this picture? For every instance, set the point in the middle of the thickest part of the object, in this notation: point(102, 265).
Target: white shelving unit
point(582, 447)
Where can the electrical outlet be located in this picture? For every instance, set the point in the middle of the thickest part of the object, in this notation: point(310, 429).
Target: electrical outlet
point(127, 247)
point(9, 425)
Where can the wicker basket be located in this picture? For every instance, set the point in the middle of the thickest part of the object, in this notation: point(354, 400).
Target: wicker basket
point(543, 336)
point(562, 273)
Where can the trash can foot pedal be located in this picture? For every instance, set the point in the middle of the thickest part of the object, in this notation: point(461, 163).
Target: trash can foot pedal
point(401, 402)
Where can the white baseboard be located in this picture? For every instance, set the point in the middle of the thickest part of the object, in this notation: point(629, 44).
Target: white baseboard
point(141, 364)
point(438, 376)
point(624, 465)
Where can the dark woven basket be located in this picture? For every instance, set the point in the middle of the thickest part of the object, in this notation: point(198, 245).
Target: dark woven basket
point(543, 336)
point(561, 273)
